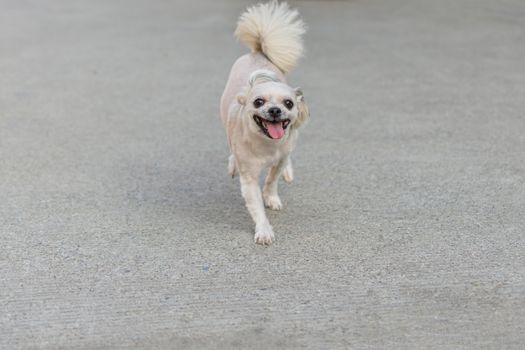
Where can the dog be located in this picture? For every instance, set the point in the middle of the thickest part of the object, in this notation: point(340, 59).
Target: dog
point(260, 111)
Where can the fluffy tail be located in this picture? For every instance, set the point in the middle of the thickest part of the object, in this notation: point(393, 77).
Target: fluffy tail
point(275, 30)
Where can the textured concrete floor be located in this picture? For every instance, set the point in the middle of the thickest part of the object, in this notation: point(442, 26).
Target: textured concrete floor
point(404, 229)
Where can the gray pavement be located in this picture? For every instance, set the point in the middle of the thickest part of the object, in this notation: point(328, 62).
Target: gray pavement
point(120, 228)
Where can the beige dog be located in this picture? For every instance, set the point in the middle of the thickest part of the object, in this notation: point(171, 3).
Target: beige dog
point(260, 111)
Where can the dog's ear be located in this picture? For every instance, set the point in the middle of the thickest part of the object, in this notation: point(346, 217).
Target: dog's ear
point(241, 99)
point(302, 108)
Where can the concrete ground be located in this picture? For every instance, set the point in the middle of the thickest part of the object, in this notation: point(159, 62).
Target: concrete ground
point(120, 228)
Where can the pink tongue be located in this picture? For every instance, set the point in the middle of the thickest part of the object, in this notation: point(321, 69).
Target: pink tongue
point(275, 130)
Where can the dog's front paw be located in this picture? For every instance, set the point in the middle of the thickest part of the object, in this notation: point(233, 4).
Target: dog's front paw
point(264, 235)
point(273, 202)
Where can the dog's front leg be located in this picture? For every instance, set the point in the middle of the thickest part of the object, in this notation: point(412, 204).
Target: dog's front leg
point(270, 194)
point(254, 202)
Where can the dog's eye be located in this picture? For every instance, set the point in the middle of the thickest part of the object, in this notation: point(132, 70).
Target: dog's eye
point(258, 102)
point(288, 104)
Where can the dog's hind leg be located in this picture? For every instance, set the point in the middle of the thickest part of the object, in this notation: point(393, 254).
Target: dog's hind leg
point(232, 167)
point(288, 172)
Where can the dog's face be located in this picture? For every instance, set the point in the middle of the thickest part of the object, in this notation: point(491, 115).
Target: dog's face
point(273, 108)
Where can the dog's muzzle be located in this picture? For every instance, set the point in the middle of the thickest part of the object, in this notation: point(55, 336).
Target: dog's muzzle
point(274, 129)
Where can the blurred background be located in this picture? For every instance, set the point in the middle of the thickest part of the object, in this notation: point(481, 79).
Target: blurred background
point(120, 227)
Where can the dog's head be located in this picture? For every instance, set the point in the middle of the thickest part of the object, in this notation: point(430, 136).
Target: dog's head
point(273, 107)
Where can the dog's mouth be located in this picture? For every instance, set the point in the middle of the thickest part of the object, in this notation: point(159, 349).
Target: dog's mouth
point(272, 129)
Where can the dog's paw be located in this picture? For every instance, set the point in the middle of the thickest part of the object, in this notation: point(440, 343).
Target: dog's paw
point(273, 202)
point(288, 173)
point(264, 235)
point(232, 169)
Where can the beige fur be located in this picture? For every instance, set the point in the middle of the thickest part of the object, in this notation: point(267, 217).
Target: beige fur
point(273, 32)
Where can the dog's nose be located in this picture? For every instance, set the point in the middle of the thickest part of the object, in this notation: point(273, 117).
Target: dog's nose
point(274, 112)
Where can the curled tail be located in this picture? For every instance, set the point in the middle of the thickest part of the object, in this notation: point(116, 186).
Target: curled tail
point(275, 30)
